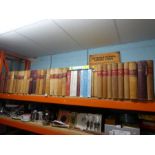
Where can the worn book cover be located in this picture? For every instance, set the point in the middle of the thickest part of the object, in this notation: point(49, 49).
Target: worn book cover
point(33, 82)
point(104, 76)
point(120, 80)
point(150, 80)
point(52, 81)
point(142, 80)
point(64, 81)
point(99, 81)
point(68, 83)
point(133, 80)
point(114, 80)
point(126, 81)
point(109, 81)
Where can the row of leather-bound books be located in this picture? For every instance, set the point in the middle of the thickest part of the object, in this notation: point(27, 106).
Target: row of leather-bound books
point(129, 80)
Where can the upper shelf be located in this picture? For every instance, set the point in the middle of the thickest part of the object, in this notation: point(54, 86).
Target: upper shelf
point(87, 102)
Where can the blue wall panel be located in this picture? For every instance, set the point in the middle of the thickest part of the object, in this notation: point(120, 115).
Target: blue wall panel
point(77, 58)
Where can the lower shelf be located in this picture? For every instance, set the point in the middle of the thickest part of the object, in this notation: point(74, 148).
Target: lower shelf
point(39, 129)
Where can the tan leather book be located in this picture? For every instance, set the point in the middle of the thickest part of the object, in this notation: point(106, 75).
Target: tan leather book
point(133, 80)
point(10, 82)
point(126, 81)
point(47, 87)
point(59, 82)
point(21, 82)
point(56, 82)
point(92, 83)
point(64, 80)
point(114, 80)
point(109, 81)
point(42, 77)
point(104, 75)
point(150, 80)
point(99, 81)
point(15, 82)
point(38, 82)
point(120, 80)
point(52, 81)
point(27, 81)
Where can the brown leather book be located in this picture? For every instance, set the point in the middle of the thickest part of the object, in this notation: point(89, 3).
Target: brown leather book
point(52, 81)
point(64, 81)
point(27, 81)
point(150, 80)
point(21, 82)
point(99, 81)
point(92, 83)
point(95, 82)
point(68, 83)
point(104, 75)
point(120, 80)
point(114, 80)
point(42, 81)
point(133, 80)
point(126, 81)
point(38, 82)
point(11, 80)
point(33, 80)
point(59, 82)
point(15, 82)
point(56, 80)
point(142, 80)
point(47, 85)
point(109, 81)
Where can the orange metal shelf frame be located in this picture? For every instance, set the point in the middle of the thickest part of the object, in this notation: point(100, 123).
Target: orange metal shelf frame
point(87, 102)
point(39, 129)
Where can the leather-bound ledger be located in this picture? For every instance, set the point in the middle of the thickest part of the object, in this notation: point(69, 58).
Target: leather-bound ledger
point(38, 82)
point(42, 78)
point(15, 82)
point(27, 81)
point(21, 81)
point(99, 81)
point(59, 78)
point(95, 82)
point(150, 80)
point(133, 80)
point(64, 81)
point(33, 76)
point(56, 82)
point(104, 75)
point(92, 84)
point(109, 81)
point(114, 80)
point(126, 81)
point(11, 80)
point(142, 80)
point(47, 85)
point(120, 80)
point(68, 83)
point(52, 81)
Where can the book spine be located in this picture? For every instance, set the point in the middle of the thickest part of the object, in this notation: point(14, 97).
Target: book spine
point(120, 80)
point(59, 77)
point(92, 83)
point(34, 80)
point(142, 80)
point(81, 83)
point(104, 76)
point(52, 81)
point(150, 80)
point(73, 84)
point(109, 81)
point(133, 80)
point(78, 82)
point(85, 83)
point(64, 81)
point(89, 82)
point(68, 83)
point(114, 80)
point(47, 84)
point(99, 81)
point(95, 82)
point(126, 81)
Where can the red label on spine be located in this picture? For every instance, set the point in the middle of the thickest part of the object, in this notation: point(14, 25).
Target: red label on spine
point(114, 72)
point(120, 72)
point(132, 72)
point(126, 71)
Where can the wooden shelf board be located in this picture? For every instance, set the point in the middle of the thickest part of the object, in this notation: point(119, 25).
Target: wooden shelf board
point(38, 128)
point(148, 106)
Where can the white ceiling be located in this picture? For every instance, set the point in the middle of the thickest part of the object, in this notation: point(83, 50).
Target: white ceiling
point(59, 36)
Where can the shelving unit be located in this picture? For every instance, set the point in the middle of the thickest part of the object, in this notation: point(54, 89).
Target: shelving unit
point(86, 102)
point(39, 129)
